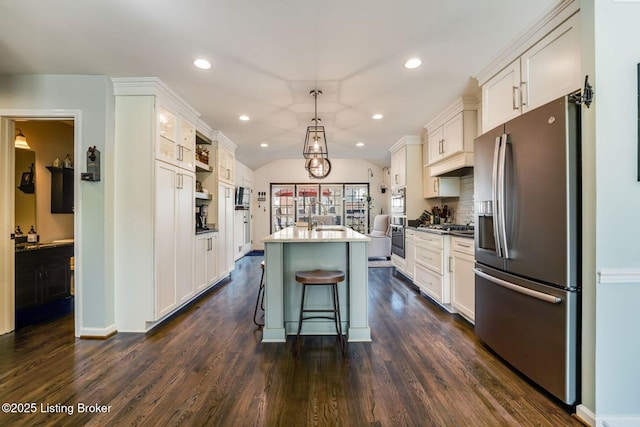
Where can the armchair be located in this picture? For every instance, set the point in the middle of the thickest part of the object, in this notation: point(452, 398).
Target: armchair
point(380, 244)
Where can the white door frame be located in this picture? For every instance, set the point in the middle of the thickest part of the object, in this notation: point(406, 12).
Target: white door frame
point(7, 198)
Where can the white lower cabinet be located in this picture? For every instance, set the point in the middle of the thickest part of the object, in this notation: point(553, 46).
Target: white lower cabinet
point(429, 282)
point(462, 277)
point(226, 209)
point(399, 263)
point(174, 237)
point(410, 252)
point(206, 260)
point(431, 272)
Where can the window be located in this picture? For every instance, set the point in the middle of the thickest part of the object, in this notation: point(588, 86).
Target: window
point(343, 204)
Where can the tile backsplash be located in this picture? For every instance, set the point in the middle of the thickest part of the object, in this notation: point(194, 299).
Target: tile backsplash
point(462, 206)
point(465, 203)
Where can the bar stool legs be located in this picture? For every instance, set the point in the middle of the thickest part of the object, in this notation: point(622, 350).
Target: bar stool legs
point(321, 278)
point(260, 298)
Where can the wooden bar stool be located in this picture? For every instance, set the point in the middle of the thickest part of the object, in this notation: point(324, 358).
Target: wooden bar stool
point(321, 278)
point(260, 298)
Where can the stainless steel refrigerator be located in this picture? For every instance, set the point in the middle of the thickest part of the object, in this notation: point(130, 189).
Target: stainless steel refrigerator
point(527, 244)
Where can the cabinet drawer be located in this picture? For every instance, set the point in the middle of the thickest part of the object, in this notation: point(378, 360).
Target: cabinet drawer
point(462, 244)
point(433, 240)
point(429, 257)
point(429, 282)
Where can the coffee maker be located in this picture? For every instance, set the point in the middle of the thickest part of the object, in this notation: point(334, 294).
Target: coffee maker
point(201, 218)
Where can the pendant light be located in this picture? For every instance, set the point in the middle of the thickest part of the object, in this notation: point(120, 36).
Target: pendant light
point(318, 168)
point(315, 149)
point(21, 141)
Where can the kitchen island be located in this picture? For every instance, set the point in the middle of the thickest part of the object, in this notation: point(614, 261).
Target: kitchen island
point(332, 248)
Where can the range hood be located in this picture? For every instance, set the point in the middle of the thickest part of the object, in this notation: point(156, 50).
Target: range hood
point(456, 165)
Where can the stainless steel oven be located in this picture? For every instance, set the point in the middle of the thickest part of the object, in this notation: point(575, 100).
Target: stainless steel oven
point(398, 223)
point(398, 206)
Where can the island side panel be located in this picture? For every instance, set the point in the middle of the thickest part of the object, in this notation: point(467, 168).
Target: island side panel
point(359, 330)
point(273, 330)
point(310, 256)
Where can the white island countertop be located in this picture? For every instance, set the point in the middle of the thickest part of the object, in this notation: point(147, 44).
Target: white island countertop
point(320, 234)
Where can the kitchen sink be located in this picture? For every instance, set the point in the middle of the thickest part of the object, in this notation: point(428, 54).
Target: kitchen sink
point(330, 228)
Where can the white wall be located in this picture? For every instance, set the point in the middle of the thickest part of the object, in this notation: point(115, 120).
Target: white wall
point(293, 171)
point(617, 192)
point(93, 97)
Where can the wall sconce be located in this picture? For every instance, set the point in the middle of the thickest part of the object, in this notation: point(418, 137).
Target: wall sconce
point(21, 141)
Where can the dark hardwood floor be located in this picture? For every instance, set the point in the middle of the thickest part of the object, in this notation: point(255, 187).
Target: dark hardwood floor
point(207, 366)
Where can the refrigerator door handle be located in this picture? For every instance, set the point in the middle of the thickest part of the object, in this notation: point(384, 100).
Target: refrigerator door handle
point(502, 196)
point(494, 196)
point(525, 291)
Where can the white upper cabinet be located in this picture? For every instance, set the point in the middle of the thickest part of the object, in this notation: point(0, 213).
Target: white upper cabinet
point(399, 168)
point(226, 158)
point(450, 137)
point(447, 139)
point(550, 68)
point(501, 97)
point(433, 187)
point(177, 139)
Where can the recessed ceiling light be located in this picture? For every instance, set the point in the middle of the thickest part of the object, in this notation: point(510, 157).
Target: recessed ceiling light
point(244, 118)
point(202, 64)
point(377, 116)
point(264, 145)
point(412, 63)
point(360, 144)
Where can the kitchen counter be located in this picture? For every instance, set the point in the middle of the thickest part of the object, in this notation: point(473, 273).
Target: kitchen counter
point(319, 234)
point(333, 248)
point(206, 230)
point(23, 247)
point(457, 233)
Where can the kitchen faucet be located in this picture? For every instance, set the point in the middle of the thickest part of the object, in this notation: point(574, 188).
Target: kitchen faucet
point(310, 225)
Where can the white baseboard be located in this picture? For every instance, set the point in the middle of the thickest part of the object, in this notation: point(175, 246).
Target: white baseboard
point(619, 275)
point(98, 333)
point(593, 420)
point(618, 421)
point(586, 415)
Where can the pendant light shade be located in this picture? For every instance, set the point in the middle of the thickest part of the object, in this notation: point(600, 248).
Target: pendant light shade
point(316, 151)
point(21, 141)
point(318, 168)
point(315, 143)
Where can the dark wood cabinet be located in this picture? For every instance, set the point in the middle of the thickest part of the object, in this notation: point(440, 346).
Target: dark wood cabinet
point(61, 189)
point(43, 275)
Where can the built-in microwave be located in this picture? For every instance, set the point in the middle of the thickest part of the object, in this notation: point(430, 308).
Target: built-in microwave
point(243, 198)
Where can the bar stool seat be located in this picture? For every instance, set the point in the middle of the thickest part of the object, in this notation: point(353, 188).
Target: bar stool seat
point(321, 278)
point(260, 298)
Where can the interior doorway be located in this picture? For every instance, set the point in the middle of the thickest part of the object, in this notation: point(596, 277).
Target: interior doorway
point(40, 212)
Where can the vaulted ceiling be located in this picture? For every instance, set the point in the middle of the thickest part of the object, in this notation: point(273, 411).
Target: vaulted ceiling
point(267, 55)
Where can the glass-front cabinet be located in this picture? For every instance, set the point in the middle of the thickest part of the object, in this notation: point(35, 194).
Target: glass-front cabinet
point(344, 204)
point(177, 139)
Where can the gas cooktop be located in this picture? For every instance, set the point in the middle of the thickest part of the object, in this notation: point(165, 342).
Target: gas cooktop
point(449, 228)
